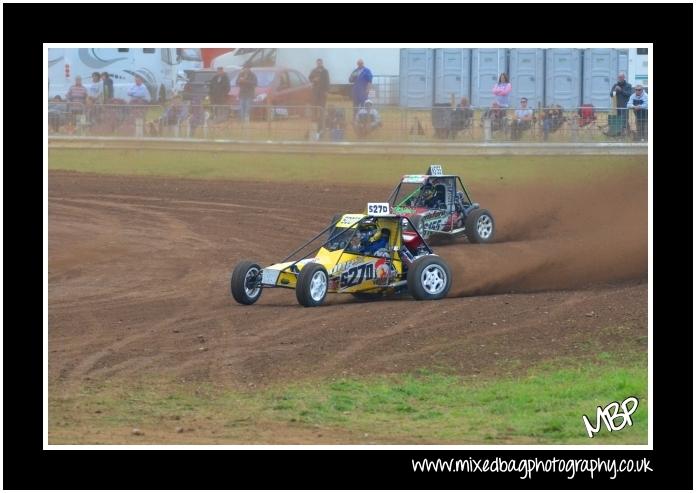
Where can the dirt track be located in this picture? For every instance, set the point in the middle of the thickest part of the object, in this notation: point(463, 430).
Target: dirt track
point(139, 282)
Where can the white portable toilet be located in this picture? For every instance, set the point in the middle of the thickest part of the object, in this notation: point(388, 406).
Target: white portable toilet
point(563, 84)
point(486, 66)
point(600, 71)
point(452, 74)
point(527, 76)
point(416, 77)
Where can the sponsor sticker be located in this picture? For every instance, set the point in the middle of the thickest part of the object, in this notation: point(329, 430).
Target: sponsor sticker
point(414, 178)
point(349, 219)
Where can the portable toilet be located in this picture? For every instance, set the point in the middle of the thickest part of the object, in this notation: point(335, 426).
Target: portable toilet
point(452, 74)
point(416, 77)
point(486, 66)
point(527, 76)
point(563, 84)
point(600, 71)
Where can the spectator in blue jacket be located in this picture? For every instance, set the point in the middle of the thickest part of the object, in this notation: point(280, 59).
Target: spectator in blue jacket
point(638, 103)
point(138, 92)
point(361, 78)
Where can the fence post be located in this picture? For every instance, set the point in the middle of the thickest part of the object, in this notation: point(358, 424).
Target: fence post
point(487, 130)
point(574, 128)
point(138, 127)
point(82, 124)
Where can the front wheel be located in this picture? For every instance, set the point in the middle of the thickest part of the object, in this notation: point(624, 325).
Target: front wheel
point(245, 284)
point(429, 278)
point(312, 285)
point(480, 226)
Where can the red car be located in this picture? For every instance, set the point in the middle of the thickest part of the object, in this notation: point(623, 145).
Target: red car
point(287, 90)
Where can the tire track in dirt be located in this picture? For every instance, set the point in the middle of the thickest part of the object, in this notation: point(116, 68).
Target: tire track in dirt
point(160, 301)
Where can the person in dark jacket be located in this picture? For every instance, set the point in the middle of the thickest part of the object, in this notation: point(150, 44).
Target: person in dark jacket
point(319, 77)
point(622, 90)
point(247, 82)
point(219, 89)
point(108, 87)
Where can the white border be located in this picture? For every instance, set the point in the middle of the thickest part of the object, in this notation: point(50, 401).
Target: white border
point(649, 446)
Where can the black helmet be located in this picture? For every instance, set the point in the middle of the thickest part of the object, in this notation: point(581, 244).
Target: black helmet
point(428, 191)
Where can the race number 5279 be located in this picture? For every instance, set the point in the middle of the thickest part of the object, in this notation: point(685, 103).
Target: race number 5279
point(378, 208)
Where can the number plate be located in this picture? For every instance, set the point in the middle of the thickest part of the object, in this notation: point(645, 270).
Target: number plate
point(378, 208)
point(435, 170)
point(270, 277)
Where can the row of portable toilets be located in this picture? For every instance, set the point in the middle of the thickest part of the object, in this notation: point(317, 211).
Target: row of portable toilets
point(568, 77)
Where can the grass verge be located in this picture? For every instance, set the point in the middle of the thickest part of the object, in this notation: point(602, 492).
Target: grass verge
point(544, 406)
point(378, 170)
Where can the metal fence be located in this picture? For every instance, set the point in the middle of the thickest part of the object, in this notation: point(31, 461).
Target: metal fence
point(341, 122)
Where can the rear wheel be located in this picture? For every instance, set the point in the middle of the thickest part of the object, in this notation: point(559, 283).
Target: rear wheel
point(429, 278)
point(244, 283)
point(312, 285)
point(480, 226)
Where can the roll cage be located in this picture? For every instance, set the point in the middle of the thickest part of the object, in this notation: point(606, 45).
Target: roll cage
point(402, 198)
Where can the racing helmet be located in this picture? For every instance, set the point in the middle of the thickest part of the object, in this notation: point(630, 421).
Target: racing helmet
point(369, 232)
point(428, 191)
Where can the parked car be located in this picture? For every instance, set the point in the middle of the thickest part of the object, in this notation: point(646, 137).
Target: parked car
point(198, 82)
point(287, 90)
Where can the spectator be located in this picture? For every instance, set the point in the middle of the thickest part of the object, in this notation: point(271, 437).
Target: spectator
point(638, 103)
point(361, 78)
point(522, 121)
point(95, 92)
point(175, 114)
point(219, 89)
point(57, 113)
point(197, 118)
point(246, 81)
point(552, 119)
point(366, 120)
point(501, 91)
point(319, 77)
point(462, 117)
point(336, 122)
point(108, 83)
point(95, 96)
point(138, 93)
point(77, 98)
point(622, 90)
point(496, 115)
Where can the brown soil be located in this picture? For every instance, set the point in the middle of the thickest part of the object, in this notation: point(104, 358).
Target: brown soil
point(139, 282)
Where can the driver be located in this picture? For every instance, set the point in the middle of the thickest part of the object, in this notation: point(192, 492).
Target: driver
point(429, 196)
point(368, 240)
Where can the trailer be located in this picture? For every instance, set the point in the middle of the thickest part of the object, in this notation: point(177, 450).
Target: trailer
point(162, 69)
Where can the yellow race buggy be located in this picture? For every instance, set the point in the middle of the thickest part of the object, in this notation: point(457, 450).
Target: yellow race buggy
point(366, 255)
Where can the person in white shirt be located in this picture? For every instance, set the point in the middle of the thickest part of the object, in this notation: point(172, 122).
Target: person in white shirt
point(95, 91)
point(523, 119)
point(138, 92)
point(367, 119)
